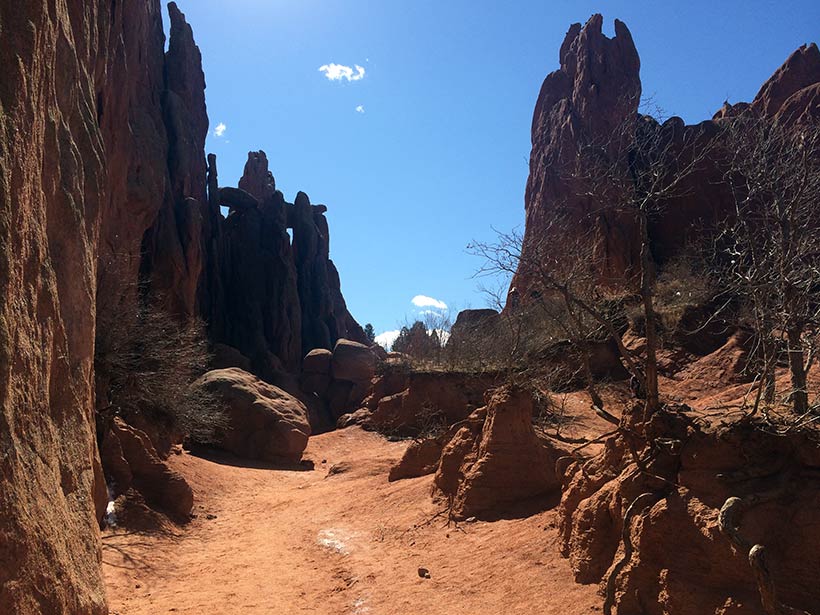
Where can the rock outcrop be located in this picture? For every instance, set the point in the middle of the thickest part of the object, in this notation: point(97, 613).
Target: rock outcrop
point(495, 459)
point(53, 190)
point(274, 299)
point(590, 104)
point(684, 561)
point(106, 199)
point(594, 93)
point(264, 422)
point(131, 461)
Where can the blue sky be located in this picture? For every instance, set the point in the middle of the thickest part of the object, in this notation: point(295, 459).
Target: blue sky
point(436, 153)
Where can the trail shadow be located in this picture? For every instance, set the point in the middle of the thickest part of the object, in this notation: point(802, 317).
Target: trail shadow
point(522, 509)
point(228, 459)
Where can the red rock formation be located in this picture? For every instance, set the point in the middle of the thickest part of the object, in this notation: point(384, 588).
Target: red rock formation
point(496, 458)
point(683, 563)
point(594, 92)
point(593, 96)
point(278, 300)
point(53, 188)
point(173, 246)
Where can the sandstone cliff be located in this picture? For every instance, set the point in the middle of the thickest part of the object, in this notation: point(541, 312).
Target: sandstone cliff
point(53, 189)
point(105, 200)
point(592, 101)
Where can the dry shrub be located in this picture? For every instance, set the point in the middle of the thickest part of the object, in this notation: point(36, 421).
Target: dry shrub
point(145, 362)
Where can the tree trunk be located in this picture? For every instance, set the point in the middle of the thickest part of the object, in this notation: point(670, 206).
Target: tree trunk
point(799, 396)
point(651, 367)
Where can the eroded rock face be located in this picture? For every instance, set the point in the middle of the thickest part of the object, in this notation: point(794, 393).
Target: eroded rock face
point(265, 422)
point(496, 459)
point(592, 101)
point(683, 563)
point(425, 401)
point(131, 460)
point(593, 93)
point(53, 188)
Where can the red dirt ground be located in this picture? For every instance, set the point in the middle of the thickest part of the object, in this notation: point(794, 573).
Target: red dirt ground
point(339, 540)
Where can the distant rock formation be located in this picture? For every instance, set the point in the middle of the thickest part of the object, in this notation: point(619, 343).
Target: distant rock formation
point(596, 93)
point(272, 299)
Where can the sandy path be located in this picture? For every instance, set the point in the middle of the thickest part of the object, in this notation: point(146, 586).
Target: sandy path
point(340, 541)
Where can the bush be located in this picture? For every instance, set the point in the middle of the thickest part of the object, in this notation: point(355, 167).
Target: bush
point(145, 362)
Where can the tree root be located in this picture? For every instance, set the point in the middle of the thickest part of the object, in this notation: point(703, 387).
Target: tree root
point(638, 505)
point(729, 518)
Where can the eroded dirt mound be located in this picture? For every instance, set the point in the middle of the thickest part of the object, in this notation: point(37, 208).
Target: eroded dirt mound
point(684, 562)
point(496, 458)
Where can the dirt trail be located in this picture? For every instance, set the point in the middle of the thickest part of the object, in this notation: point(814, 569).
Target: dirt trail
point(338, 539)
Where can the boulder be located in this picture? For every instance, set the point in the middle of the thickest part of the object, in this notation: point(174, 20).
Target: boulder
point(131, 460)
point(485, 469)
point(317, 361)
point(264, 422)
point(237, 199)
point(420, 459)
point(352, 362)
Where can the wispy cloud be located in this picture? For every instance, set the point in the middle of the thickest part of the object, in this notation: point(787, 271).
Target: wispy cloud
point(386, 339)
point(337, 72)
point(360, 109)
point(220, 129)
point(425, 301)
point(430, 313)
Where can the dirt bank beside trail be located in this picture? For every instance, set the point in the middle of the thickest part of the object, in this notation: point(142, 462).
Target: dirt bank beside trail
point(338, 539)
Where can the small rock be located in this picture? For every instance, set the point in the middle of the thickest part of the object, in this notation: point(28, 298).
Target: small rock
point(210, 517)
point(470, 519)
point(424, 573)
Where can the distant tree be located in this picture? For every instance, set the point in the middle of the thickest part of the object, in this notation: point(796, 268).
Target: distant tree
point(369, 333)
point(418, 341)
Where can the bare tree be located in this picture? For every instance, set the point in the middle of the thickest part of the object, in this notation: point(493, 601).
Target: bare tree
point(624, 179)
point(633, 174)
point(769, 252)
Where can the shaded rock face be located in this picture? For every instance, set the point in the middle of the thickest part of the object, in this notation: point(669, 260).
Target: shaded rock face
point(131, 461)
point(53, 188)
point(595, 95)
point(683, 563)
point(272, 298)
point(173, 250)
point(496, 459)
point(339, 380)
point(420, 459)
point(265, 422)
point(408, 404)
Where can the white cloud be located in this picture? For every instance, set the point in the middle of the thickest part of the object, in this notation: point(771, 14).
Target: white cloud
point(360, 109)
point(220, 129)
point(337, 72)
point(430, 313)
point(424, 301)
point(386, 339)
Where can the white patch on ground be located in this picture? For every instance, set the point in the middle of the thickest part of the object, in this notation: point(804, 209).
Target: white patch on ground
point(110, 510)
point(360, 606)
point(336, 540)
